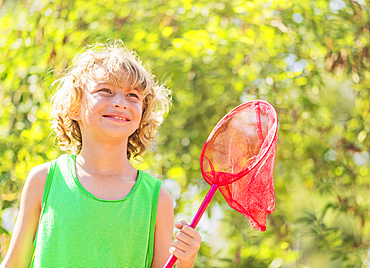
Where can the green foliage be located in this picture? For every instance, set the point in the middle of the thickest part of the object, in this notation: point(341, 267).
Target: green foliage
point(310, 59)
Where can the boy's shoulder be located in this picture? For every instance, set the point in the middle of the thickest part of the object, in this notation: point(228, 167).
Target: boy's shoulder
point(35, 183)
point(39, 171)
point(37, 175)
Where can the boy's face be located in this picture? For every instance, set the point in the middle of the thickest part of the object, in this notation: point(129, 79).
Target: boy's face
point(109, 111)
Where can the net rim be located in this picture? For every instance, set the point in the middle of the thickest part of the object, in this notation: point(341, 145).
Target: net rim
point(226, 117)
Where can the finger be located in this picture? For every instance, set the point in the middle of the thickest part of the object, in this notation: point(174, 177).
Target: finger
point(179, 254)
point(182, 250)
point(187, 243)
point(181, 224)
point(185, 238)
point(190, 232)
point(184, 253)
point(181, 245)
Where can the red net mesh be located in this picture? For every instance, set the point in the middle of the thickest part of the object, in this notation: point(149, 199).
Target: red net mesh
point(239, 157)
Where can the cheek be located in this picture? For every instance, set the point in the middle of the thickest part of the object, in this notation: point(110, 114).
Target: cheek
point(83, 104)
point(140, 110)
point(89, 104)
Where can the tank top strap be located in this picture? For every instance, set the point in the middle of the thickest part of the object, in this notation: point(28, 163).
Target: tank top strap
point(49, 179)
point(153, 218)
point(48, 182)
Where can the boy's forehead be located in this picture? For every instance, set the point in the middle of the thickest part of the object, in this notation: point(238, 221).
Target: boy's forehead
point(107, 74)
point(94, 82)
point(102, 76)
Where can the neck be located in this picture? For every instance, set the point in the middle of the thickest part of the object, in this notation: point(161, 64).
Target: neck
point(105, 159)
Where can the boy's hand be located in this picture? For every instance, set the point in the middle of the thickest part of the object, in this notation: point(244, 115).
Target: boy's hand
point(186, 245)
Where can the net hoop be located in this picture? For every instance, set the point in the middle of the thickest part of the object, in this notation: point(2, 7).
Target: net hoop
point(218, 125)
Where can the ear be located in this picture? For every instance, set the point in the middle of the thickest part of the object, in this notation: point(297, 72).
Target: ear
point(74, 115)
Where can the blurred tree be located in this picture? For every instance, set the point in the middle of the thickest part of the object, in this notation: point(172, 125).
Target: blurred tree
point(310, 59)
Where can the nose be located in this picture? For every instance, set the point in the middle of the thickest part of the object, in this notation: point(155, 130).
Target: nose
point(119, 102)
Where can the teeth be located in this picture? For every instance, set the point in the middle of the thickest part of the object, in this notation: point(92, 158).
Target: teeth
point(120, 118)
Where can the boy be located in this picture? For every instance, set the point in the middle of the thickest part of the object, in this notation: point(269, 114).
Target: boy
point(93, 208)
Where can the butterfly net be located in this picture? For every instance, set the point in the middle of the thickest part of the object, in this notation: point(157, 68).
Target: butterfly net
point(239, 157)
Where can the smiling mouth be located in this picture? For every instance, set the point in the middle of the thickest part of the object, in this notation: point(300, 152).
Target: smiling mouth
point(116, 117)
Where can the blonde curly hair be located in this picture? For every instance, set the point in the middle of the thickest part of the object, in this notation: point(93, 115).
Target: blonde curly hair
point(118, 64)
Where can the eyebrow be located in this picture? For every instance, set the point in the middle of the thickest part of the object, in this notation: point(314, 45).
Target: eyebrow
point(129, 89)
point(135, 89)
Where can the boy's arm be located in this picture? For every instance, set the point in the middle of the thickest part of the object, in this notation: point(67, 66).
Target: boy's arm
point(21, 245)
point(186, 242)
point(163, 229)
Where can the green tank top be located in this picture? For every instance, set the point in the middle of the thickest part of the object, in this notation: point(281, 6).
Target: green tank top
point(77, 229)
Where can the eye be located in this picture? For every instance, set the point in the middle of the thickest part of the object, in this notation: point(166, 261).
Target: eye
point(134, 94)
point(106, 90)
